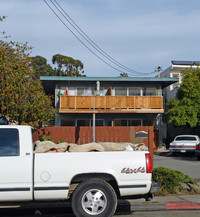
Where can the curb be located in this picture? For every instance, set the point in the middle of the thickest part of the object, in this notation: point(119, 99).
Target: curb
point(161, 206)
point(162, 153)
point(183, 205)
point(162, 203)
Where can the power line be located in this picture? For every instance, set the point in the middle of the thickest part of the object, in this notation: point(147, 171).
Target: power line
point(79, 39)
point(90, 41)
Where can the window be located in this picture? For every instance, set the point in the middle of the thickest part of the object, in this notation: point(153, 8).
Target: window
point(149, 91)
point(67, 123)
point(97, 123)
point(9, 145)
point(134, 122)
point(120, 91)
point(81, 91)
point(120, 123)
point(147, 123)
point(186, 138)
point(83, 123)
point(134, 91)
point(175, 85)
point(127, 123)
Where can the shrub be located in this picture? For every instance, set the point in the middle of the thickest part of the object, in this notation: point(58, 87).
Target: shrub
point(50, 139)
point(170, 180)
point(45, 139)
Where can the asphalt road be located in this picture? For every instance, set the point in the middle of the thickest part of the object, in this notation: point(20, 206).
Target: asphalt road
point(187, 164)
point(136, 213)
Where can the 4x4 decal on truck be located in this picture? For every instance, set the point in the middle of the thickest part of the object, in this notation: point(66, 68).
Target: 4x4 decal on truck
point(128, 170)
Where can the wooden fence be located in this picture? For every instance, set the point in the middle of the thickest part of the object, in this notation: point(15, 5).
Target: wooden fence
point(82, 135)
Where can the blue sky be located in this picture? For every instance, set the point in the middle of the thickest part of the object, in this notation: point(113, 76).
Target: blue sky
point(140, 34)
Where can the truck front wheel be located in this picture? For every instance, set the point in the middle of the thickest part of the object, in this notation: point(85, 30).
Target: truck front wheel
point(94, 197)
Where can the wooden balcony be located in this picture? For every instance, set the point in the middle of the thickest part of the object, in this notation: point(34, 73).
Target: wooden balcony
point(111, 104)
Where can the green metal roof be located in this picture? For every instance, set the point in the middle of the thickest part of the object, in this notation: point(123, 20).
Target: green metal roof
point(124, 79)
point(49, 82)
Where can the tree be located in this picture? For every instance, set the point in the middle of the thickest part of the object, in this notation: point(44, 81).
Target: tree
point(123, 74)
point(68, 66)
point(22, 98)
point(2, 18)
point(41, 67)
point(185, 110)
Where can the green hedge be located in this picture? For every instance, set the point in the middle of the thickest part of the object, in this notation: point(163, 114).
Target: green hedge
point(170, 180)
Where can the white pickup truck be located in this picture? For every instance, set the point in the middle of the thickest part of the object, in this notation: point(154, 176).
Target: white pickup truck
point(92, 180)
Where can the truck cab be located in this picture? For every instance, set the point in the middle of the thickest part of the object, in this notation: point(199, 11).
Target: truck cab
point(16, 160)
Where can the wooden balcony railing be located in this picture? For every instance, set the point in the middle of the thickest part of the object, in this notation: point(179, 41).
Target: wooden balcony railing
point(112, 104)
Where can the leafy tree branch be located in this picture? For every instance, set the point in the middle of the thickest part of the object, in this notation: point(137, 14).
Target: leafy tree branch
point(185, 110)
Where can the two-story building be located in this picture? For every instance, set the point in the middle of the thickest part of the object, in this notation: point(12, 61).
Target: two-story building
point(174, 70)
point(115, 101)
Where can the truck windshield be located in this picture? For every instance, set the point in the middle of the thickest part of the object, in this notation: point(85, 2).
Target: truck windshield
point(186, 138)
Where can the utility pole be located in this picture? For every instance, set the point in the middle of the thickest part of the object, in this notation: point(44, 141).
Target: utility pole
point(159, 116)
point(93, 114)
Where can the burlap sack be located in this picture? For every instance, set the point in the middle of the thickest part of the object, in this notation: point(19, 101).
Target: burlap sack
point(87, 147)
point(48, 146)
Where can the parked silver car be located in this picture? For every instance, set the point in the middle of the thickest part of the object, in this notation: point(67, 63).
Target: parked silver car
point(184, 144)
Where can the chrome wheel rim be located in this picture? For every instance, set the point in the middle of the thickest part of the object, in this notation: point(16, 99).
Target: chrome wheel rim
point(94, 202)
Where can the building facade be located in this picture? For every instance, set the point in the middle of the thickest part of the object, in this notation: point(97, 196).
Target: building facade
point(113, 101)
point(174, 71)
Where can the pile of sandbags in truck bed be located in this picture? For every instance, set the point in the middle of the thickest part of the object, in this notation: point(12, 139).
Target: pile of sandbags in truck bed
point(48, 146)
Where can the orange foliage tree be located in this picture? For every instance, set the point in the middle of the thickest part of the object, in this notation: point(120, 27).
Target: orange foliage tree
point(22, 97)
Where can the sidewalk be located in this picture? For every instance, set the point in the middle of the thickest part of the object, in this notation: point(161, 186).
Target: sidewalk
point(164, 203)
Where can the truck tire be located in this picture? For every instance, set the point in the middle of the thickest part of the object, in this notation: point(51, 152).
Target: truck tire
point(94, 197)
